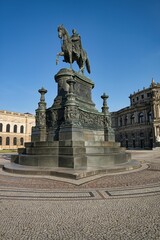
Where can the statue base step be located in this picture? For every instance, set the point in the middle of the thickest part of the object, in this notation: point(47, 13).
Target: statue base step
point(71, 173)
point(72, 154)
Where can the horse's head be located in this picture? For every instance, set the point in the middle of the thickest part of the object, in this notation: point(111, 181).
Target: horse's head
point(61, 31)
point(63, 34)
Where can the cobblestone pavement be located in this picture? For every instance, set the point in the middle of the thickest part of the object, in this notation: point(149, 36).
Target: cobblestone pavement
point(115, 206)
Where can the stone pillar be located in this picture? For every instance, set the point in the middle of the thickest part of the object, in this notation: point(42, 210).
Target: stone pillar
point(105, 107)
point(39, 131)
point(72, 152)
point(109, 134)
point(71, 128)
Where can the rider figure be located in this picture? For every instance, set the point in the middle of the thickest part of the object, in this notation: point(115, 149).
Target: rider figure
point(77, 45)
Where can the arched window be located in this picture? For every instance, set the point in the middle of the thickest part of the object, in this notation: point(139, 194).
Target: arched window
point(22, 129)
point(132, 119)
point(149, 116)
point(1, 127)
point(15, 128)
point(14, 141)
point(8, 128)
point(0, 140)
point(141, 118)
point(7, 141)
point(21, 141)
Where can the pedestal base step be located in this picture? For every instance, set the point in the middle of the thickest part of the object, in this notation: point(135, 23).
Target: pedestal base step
point(68, 172)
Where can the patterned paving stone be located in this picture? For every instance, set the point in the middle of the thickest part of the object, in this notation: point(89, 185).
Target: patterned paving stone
point(122, 180)
point(113, 207)
point(135, 191)
point(133, 218)
point(23, 194)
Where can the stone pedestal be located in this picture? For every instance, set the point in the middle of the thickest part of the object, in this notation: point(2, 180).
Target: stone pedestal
point(72, 133)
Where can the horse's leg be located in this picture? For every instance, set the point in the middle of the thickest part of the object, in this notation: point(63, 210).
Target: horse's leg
point(82, 67)
point(70, 59)
point(57, 56)
point(82, 62)
point(82, 70)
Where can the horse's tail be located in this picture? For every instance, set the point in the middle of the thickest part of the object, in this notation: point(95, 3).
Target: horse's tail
point(88, 66)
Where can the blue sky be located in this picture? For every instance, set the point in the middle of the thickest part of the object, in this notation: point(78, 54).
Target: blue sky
point(121, 37)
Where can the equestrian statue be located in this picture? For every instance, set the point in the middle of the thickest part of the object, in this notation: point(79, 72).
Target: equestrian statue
point(72, 49)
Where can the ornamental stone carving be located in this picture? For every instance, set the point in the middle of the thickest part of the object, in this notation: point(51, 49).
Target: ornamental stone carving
point(71, 114)
point(91, 120)
point(40, 119)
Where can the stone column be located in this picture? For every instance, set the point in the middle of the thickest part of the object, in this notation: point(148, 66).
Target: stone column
point(109, 134)
point(105, 107)
point(39, 132)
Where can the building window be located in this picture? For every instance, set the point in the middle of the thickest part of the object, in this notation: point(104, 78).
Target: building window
point(132, 119)
point(142, 96)
point(134, 143)
point(126, 143)
point(21, 141)
point(142, 143)
point(141, 134)
point(150, 117)
point(15, 129)
point(141, 118)
point(1, 127)
point(7, 141)
point(151, 143)
point(120, 122)
point(14, 141)
point(22, 129)
point(148, 94)
point(0, 140)
point(125, 120)
point(8, 128)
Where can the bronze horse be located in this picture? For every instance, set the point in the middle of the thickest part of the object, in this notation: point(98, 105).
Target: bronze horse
point(71, 51)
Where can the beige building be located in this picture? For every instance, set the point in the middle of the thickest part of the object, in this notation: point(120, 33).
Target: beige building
point(138, 126)
point(15, 129)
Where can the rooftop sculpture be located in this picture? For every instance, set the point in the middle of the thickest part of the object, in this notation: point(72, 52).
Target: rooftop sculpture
point(72, 49)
